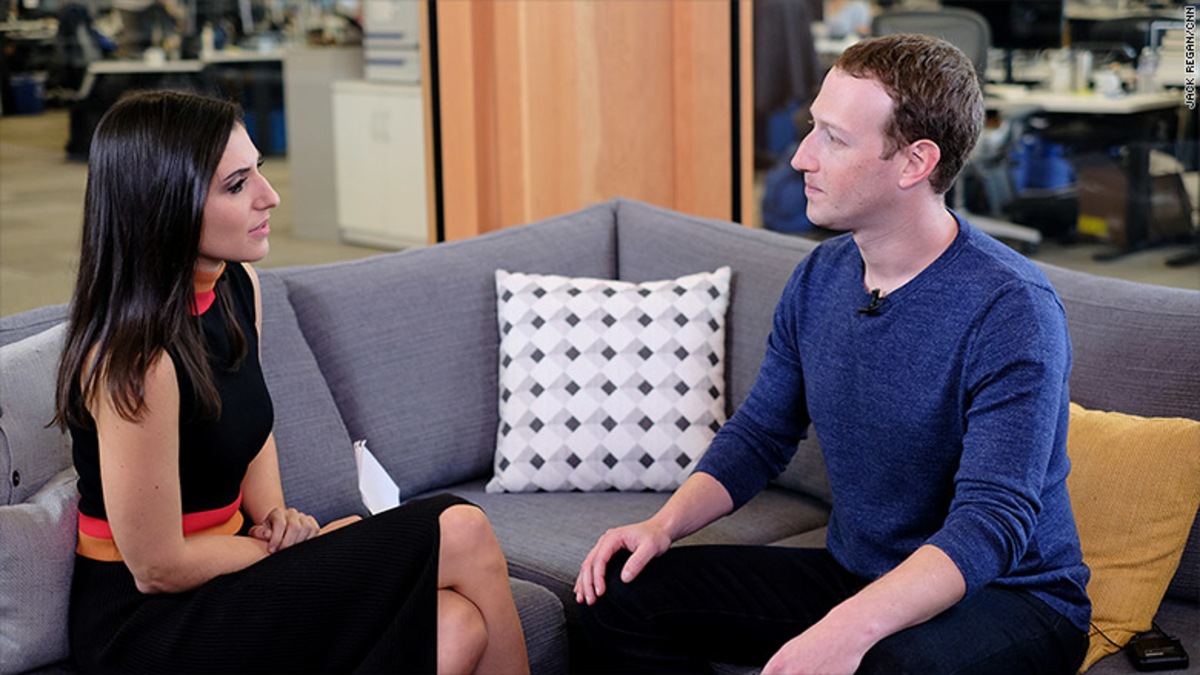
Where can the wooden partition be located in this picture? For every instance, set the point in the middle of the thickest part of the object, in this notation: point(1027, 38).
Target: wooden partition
point(547, 106)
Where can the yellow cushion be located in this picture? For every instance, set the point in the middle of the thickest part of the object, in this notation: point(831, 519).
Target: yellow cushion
point(1135, 488)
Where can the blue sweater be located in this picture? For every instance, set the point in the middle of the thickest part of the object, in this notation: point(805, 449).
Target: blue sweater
point(942, 416)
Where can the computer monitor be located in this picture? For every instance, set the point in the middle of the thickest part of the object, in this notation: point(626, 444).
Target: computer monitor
point(1020, 24)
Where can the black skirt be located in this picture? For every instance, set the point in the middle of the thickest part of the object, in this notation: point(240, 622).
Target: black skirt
point(360, 599)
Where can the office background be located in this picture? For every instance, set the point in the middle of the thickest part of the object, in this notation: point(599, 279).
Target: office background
point(329, 210)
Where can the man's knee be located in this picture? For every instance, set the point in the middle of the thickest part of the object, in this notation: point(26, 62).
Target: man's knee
point(895, 655)
point(615, 616)
point(610, 609)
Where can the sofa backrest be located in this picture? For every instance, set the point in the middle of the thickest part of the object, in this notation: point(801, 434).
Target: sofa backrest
point(335, 337)
point(20, 326)
point(1136, 351)
point(316, 456)
point(1136, 346)
point(30, 453)
point(408, 342)
point(654, 243)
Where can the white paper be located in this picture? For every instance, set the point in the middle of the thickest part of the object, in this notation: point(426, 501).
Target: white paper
point(379, 492)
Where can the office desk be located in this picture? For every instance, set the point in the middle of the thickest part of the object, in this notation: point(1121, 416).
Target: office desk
point(100, 69)
point(1005, 99)
point(1135, 121)
point(25, 47)
point(253, 78)
point(105, 81)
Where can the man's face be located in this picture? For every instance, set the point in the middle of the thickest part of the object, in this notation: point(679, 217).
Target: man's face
point(847, 185)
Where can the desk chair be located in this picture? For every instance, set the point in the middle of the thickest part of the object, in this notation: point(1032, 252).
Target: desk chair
point(970, 32)
point(76, 44)
point(961, 27)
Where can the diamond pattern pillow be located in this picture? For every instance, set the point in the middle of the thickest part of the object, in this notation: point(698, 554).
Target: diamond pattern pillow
point(607, 385)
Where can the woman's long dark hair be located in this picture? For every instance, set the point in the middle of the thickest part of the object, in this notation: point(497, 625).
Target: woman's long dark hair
point(152, 160)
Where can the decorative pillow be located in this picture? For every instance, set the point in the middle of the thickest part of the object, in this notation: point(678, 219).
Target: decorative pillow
point(1133, 523)
point(607, 385)
point(37, 554)
point(30, 452)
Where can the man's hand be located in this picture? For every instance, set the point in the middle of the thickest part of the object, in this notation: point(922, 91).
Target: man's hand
point(645, 540)
point(918, 589)
point(822, 650)
point(285, 527)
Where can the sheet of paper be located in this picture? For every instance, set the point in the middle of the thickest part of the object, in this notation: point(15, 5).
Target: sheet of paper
point(379, 491)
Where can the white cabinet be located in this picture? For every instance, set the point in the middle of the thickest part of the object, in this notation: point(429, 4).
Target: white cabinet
point(308, 77)
point(379, 141)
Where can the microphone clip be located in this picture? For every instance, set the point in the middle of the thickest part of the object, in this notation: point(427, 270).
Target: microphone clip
point(876, 303)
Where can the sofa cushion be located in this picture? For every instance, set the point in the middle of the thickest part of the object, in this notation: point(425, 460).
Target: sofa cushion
point(30, 453)
point(1151, 469)
point(607, 384)
point(37, 554)
point(408, 343)
point(544, 627)
point(316, 455)
point(546, 535)
point(1176, 618)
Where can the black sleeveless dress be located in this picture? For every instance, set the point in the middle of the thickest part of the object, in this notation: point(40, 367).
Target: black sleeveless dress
point(360, 599)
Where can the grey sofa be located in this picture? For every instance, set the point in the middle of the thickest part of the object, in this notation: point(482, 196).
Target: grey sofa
point(401, 349)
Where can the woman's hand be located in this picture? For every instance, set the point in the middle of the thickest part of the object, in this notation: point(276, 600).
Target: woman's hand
point(285, 527)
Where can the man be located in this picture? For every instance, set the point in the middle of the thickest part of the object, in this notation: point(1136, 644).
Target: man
point(932, 362)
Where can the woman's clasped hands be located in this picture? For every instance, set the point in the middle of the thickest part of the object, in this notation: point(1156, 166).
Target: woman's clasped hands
point(284, 527)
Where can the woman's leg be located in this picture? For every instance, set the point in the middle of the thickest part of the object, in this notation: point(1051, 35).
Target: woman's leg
point(360, 599)
point(461, 634)
point(472, 566)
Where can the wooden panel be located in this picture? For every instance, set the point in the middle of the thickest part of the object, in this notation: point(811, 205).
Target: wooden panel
point(551, 105)
point(703, 111)
point(749, 210)
point(427, 106)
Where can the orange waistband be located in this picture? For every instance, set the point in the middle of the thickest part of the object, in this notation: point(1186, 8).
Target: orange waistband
point(96, 539)
point(105, 550)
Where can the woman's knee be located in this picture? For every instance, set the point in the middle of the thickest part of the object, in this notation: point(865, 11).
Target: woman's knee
point(462, 633)
point(468, 539)
point(467, 526)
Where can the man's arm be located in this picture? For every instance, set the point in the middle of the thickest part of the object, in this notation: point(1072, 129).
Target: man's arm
point(698, 502)
point(923, 586)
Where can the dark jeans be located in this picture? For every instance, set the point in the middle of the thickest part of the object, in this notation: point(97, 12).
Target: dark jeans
point(739, 604)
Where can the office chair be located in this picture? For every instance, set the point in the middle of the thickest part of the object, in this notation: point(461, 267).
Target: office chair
point(961, 27)
point(970, 32)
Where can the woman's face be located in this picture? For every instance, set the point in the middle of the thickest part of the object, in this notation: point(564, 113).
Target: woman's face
point(238, 207)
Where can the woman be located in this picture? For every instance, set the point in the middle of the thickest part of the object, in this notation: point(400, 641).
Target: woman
point(162, 391)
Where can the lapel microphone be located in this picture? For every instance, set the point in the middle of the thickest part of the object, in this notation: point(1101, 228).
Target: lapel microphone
point(876, 303)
